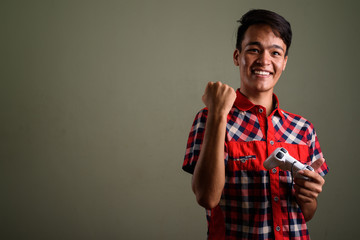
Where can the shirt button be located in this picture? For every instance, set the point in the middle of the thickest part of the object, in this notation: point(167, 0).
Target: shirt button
point(274, 170)
point(276, 199)
point(278, 228)
point(272, 142)
point(260, 110)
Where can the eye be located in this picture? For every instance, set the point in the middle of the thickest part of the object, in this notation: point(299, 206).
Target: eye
point(276, 53)
point(253, 50)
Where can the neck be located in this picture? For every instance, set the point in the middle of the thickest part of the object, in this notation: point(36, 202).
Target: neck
point(264, 99)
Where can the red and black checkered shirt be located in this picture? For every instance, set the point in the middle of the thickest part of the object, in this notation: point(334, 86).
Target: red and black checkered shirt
point(257, 203)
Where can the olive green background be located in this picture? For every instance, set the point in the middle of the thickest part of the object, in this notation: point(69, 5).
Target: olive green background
point(97, 99)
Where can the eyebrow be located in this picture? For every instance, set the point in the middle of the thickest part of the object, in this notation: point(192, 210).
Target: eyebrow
point(259, 44)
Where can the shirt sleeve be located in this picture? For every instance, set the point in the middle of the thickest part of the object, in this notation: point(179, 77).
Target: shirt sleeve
point(315, 152)
point(195, 141)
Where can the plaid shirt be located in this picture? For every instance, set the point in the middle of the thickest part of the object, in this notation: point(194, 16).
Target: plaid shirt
point(257, 203)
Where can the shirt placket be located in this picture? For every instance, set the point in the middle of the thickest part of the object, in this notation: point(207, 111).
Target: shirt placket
point(268, 130)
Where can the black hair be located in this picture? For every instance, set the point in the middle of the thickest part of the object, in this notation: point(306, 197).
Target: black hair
point(279, 25)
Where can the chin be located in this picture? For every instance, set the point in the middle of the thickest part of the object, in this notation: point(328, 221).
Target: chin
point(263, 88)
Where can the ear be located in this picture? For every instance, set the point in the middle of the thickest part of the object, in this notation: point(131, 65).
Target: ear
point(284, 65)
point(236, 57)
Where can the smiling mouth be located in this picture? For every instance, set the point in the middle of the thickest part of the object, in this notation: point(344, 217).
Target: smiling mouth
point(261, 73)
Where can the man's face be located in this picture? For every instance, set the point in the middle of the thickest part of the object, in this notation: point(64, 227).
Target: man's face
point(261, 60)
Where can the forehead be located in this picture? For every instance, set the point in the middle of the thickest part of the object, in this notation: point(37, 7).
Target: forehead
point(264, 35)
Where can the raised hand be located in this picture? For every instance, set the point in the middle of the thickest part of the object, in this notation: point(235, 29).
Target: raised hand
point(219, 98)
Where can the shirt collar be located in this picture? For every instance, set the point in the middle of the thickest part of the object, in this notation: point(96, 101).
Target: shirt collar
point(244, 104)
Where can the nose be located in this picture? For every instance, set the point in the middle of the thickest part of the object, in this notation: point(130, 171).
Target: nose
point(264, 58)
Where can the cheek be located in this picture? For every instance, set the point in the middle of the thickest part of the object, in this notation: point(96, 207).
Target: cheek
point(245, 62)
point(280, 67)
point(242, 62)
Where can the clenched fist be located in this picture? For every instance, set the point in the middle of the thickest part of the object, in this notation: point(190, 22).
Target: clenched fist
point(219, 98)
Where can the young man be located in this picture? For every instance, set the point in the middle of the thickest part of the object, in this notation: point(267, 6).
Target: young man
point(231, 138)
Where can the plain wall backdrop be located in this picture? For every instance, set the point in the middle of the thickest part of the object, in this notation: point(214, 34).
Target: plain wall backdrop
point(97, 99)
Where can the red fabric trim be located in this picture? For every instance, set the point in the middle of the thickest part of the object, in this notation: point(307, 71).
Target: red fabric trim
point(216, 224)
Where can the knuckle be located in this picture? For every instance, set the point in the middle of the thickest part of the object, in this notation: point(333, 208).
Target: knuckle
point(317, 190)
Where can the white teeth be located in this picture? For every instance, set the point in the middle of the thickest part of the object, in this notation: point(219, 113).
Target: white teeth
point(261, 73)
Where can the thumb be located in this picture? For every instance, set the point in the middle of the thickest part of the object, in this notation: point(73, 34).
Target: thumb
point(317, 164)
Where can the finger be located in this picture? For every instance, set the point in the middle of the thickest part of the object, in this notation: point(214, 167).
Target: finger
point(317, 164)
point(310, 189)
point(300, 196)
point(309, 186)
point(303, 198)
point(305, 193)
point(313, 176)
point(230, 89)
point(209, 84)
